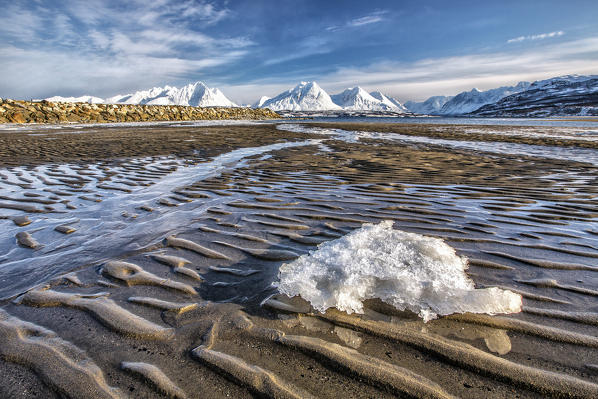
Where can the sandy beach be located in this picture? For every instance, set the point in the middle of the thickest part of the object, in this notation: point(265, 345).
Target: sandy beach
point(139, 260)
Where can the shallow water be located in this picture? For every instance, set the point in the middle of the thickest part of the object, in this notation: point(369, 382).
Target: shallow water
point(114, 223)
point(587, 123)
point(186, 286)
point(437, 120)
point(492, 146)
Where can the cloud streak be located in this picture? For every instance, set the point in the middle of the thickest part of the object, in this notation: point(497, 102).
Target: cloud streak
point(372, 18)
point(541, 36)
point(369, 19)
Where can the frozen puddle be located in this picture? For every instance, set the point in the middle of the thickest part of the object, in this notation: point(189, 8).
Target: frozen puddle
point(108, 216)
point(585, 155)
point(406, 270)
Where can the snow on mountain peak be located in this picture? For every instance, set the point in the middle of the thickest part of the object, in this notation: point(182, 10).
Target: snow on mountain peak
point(309, 96)
point(82, 99)
point(356, 98)
point(194, 94)
point(306, 96)
point(560, 81)
point(431, 106)
point(392, 102)
point(260, 102)
point(472, 100)
point(562, 95)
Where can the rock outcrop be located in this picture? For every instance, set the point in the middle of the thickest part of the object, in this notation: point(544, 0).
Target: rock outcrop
point(14, 111)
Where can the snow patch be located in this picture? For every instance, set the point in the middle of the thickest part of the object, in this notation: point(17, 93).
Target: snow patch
point(406, 270)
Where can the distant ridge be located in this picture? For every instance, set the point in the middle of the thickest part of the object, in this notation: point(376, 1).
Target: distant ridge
point(563, 95)
point(306, 96)
point(194, 94)
point(469, 101)
point(82, 99)
point(391, 101)
point(431, 106)
point(574, 95)
point(464, 102)
point(356, 98)
point(309, 96)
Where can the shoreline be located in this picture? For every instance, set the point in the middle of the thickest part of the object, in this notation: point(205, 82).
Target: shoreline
point(17, 111)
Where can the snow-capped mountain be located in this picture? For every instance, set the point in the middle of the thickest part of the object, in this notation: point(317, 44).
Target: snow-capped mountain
point(431, 106)
point(82, 99)
point(563, 95)
point(306, 96)
point(194, 94)
point(356, 98)
point(392, 102)
point(260, 102)
point(468, 101)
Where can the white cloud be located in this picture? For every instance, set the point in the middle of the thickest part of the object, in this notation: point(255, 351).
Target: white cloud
point(99, 39)
point(536, 37)
point(205, 11)
point(20, 23)
point(174, 36)
point(369, 19)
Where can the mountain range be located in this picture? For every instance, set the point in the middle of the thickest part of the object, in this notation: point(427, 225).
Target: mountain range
point(306, 96)
point(465, 102)
point(356, 98)
point(194, 94)
point(563, 95)
point(309, 96)
point(429, 107)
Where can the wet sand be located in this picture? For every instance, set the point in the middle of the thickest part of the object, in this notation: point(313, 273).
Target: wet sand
point(177, 303)
point(532, 135)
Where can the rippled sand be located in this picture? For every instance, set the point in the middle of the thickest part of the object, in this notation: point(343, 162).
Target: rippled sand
point(135, 262)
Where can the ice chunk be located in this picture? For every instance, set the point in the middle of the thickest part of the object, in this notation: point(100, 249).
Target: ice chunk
point(406, 270)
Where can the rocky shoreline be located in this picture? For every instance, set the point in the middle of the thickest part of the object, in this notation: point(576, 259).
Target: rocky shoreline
point(16, 111)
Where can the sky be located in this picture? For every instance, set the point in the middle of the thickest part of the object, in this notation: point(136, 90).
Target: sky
point(407, 49)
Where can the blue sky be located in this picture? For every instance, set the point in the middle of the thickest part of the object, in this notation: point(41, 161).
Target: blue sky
point(408, 49)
